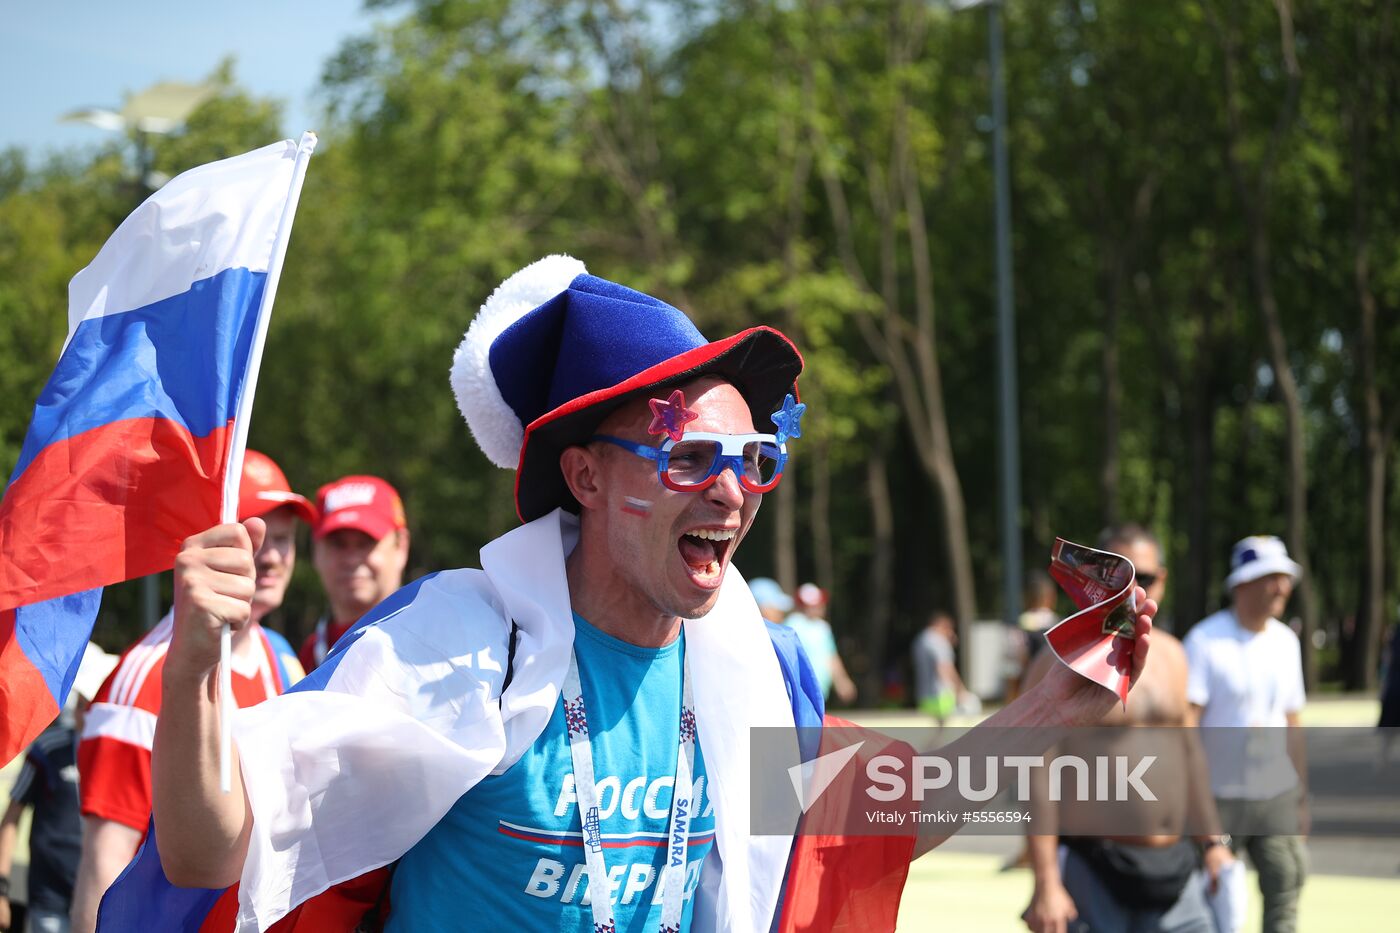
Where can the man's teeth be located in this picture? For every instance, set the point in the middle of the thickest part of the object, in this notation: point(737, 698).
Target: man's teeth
point(708, 535)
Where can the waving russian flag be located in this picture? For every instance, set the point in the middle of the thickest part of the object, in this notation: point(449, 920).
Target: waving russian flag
point(141, 427)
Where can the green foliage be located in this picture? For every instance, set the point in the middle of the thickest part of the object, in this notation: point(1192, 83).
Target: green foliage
point(694, 149)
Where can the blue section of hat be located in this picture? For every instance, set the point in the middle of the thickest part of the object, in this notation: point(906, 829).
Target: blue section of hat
point(593, 335)
point(1245, 556)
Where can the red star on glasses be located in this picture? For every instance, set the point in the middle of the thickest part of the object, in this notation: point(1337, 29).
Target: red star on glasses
point(671, 416)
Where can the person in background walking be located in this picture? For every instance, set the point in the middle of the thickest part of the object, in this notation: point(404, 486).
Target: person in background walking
point(937, 685)
point(814, 632)
point(1245, 686)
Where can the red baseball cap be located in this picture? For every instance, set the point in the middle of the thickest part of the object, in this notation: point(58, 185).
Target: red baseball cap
point(364, 503)
point(264, 487)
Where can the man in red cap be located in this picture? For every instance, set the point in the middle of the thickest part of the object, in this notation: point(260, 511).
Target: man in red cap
point(574, 718)
point(114, 757)
point(360, 551)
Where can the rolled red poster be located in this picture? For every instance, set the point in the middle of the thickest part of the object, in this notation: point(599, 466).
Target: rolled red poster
point(1097, 641)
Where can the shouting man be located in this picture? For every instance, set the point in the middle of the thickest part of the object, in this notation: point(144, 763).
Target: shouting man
point(573, 719)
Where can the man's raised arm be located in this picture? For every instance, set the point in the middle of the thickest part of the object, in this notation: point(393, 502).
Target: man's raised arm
point(1060, 701)
point(202, 833)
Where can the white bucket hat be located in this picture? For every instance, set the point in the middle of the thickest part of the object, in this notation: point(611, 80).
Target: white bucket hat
point(1258, 556)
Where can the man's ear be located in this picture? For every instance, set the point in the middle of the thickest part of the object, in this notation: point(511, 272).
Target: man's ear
point(582, 470)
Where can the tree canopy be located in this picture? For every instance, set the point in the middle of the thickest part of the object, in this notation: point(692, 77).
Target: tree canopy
point(1207, 271)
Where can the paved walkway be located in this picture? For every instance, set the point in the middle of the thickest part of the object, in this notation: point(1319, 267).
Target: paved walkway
point(960, 892)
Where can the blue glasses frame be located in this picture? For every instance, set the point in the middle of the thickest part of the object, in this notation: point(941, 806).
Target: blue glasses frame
point(731, 457)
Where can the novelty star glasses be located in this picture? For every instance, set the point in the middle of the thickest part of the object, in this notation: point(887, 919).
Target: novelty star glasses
point(694, 463)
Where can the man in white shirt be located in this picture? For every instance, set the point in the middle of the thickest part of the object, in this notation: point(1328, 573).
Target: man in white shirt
point(1245, 685)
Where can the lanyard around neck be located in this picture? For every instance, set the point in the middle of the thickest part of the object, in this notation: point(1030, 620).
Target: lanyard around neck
point(672, 880)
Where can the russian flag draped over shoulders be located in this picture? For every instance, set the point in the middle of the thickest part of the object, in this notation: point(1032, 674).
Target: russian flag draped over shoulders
point(129, 449)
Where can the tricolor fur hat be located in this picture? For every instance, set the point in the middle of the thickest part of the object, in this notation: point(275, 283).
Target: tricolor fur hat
point(555, 350)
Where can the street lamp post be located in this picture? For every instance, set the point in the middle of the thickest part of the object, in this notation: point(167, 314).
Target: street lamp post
point(1010, 444)
point(159, 109)
point(1006, 334)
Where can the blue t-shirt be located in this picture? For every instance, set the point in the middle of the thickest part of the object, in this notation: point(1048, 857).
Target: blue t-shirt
point(819, 644)
point(509, 854)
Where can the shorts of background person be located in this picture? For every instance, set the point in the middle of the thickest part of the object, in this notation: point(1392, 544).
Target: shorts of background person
point(1105, 907)
point(47, 921)
point(940, 706)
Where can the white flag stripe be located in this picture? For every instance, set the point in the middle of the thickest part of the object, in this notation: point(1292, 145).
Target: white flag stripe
point(219, 216)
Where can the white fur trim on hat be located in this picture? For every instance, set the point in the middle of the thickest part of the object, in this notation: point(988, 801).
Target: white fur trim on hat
point(493, 423)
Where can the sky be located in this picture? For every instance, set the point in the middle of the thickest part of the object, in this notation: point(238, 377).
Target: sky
point(61, 55)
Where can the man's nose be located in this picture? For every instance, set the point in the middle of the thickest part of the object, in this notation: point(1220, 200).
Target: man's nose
point(726, 490)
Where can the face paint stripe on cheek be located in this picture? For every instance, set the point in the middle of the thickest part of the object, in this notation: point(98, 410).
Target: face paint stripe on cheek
point(638, 507)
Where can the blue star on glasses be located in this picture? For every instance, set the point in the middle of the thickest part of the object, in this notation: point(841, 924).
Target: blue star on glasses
point(788, 419)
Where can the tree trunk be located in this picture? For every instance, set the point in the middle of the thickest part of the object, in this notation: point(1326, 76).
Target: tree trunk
point(1112, 398)
point(1364, 657)
point(881, 573)
point(907, 346)
point(1370, 617)
point(823, 551)
point(785, 533)
point(1254, 201)
point(1296, 440)
point(1200, 549)
point(938, 446)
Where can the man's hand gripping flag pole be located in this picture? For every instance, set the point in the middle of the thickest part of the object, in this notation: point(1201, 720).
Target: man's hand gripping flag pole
point(238, 442)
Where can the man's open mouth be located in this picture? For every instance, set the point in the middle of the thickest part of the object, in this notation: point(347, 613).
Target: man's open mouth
point(703, 551)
